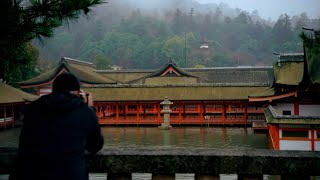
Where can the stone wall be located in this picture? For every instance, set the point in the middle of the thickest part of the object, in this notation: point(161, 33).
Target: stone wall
point(202, 162)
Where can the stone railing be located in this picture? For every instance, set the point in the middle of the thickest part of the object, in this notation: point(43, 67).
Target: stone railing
point(208, 164)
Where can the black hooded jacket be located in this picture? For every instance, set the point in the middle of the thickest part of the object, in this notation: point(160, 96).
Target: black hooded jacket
point(57, 129)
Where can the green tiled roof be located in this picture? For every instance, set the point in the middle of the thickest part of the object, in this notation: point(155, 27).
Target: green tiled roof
point(288, 72)
point(174, 92)
point(83, 70)
point(9, 94)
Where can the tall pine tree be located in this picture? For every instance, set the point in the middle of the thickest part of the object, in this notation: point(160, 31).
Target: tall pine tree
point(25, 20)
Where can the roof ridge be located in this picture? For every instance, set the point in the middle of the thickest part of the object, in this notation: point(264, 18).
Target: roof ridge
point(180, 85)
point(230, 68)
point(76, 61)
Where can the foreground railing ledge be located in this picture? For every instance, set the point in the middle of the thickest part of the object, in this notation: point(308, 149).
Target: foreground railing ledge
point(168, 161)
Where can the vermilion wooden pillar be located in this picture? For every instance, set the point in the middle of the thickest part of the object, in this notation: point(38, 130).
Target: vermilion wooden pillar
point(223, 112)
point(159, 115)
point(155, 108)
point(180, 111)
point(274, 133)
point(124, 111)
point(312, 139)
point(145, 111)
point(117, 113)
point(200, 113)
point(245, 112)
point(138, 114)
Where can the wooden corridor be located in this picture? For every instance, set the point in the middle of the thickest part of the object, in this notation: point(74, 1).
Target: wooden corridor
point(196, 113)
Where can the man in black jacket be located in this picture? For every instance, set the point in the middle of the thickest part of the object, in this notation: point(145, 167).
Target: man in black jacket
point(57, 130)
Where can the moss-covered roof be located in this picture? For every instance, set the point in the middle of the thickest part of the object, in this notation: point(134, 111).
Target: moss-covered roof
point(246, 75)
point(9, 94)
point(170, 80)
point(174, 92)
point(124, 76)
point(265, 93)
point(83, 70)
point(288, 72)
point(179, 71)
point(169, 74)
point(273, 118)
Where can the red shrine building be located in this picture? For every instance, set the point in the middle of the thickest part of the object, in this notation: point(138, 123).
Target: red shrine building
point(11, 99)
point(199, 96)
point(285, 96)
point(293, 114)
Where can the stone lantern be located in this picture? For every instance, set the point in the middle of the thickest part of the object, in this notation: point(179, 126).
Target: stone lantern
point(166, 113)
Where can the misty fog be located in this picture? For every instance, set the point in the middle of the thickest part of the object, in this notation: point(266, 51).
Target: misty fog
point(146, 33)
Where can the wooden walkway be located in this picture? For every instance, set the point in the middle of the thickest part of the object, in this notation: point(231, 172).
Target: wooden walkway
point(260, 126)
point(154, 120)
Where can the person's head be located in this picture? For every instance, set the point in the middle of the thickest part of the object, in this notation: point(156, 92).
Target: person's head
point(66, 82)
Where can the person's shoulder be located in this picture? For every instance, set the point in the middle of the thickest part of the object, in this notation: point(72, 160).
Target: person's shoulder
point(87, 109)
point(93, 108)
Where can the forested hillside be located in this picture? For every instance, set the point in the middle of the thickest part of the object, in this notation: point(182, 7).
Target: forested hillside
point(125, 34)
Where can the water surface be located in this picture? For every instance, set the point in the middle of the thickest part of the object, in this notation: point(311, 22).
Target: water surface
point(153, 137)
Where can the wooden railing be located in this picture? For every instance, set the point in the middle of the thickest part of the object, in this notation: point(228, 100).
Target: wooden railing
point(120, 163)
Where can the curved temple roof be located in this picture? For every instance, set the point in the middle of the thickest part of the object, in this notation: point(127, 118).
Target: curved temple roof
point(83, 70)
point(9, 94)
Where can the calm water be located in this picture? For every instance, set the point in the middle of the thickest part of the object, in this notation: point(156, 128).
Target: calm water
point(198, 137)
point(152, 137)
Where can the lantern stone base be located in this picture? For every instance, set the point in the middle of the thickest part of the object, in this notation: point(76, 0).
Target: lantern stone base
point(165, 126)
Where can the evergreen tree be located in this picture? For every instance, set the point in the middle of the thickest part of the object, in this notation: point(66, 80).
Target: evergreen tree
point(31, 19)
point(282, 29)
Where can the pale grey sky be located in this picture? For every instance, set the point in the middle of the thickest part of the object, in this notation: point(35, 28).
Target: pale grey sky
point(274, 8)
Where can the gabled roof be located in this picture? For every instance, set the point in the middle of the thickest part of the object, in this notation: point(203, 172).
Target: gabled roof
point(84, 71)
point(9, 94)
point(166, 74)
point(170, 70)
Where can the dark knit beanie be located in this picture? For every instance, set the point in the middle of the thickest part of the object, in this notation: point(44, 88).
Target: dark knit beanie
point(66, 82)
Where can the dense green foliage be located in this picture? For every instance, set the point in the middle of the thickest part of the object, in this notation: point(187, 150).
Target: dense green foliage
point(312, 51)
point(134, 38)
point(25, 20)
